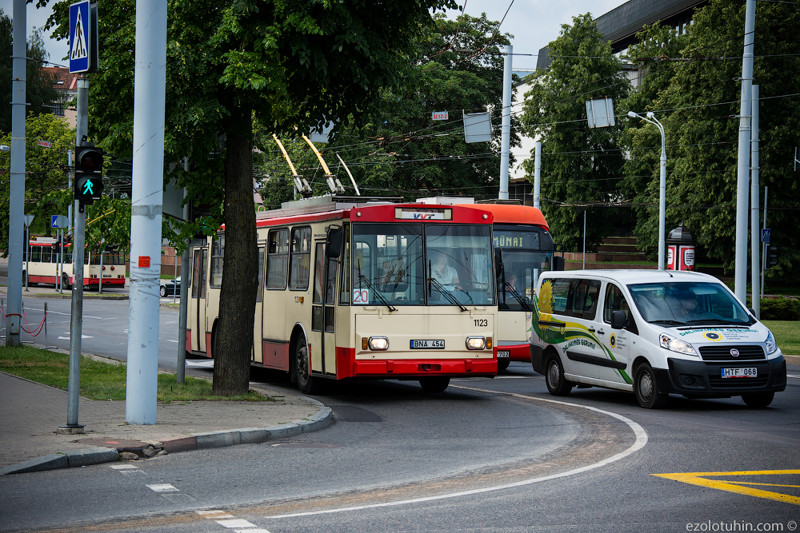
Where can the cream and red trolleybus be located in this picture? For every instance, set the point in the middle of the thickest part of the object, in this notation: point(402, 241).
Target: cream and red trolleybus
point(349, 291)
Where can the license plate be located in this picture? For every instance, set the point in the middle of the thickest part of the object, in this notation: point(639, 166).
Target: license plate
point(503, 354)
point(749, 372)
point(423, 344)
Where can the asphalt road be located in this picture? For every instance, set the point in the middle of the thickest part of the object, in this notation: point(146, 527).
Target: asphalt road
point(494, 455)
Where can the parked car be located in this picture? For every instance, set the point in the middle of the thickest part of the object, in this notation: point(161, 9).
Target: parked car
point(170, 287)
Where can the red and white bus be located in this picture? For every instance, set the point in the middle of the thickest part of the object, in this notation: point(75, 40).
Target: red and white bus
point(47, 258)
point(524, 249)
point(349, 290)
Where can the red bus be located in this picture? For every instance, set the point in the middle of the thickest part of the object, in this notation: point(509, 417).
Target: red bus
point(353, 290)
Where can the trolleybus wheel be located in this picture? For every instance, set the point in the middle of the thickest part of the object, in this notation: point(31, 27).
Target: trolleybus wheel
point(554, 377)
point(758, 400)
point(646, 387)
point(434, 384)
point(65, 282)
point(502, 365)
point(302, 368)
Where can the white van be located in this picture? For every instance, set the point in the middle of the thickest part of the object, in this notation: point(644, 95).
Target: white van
point(652, 332)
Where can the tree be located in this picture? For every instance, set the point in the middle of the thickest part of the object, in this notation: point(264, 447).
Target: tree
point(39, 91)
point(287, 65)
point(45, 172)
point(580, 165)
point(400, 151)
point(692, 83)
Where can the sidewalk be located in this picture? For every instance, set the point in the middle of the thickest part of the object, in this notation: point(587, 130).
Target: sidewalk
point(32, 413)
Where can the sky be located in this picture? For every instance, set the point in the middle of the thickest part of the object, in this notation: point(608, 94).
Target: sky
point(534, 23)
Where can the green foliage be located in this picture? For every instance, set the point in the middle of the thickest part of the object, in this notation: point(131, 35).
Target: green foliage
point(397, 150)
point(46, 182)
point(580, 165)
point(780, 308)
point(697, 100)
point(100, 380)
point(39, 90)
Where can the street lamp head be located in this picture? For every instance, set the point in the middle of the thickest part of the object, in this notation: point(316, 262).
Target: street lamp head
point(650, 114)
point(4, 148)
point(633, 114)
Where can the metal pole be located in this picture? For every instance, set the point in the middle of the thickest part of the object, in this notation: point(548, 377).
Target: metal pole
point(755, 260)
point(76, 316)
point(662, 199)
point(185, 261)
point(27, 254)
point(16, 201)
point(100, 280)
point(506, 124)
point(146, 206)
point(764, 246)
point(743, 167)
point(584, 238)
point(537, 176)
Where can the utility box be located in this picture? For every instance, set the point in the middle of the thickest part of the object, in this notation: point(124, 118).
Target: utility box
point(680, 249)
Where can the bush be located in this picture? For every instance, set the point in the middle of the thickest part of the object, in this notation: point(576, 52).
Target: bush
point(780, 309)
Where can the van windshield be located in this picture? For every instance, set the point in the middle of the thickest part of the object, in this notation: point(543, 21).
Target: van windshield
point(688, 303)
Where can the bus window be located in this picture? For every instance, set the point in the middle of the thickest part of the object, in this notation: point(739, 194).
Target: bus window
point(277, 258)
point(300, 257)
point(217, 259)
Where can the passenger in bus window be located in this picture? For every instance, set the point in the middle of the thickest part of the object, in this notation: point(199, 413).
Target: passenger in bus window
point(443, 272)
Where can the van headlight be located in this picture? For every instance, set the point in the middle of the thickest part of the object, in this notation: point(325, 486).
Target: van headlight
point(476, 343)
point(770, 344)
point(676, 345)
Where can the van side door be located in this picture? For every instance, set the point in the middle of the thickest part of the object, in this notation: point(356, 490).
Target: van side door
point(617, 341)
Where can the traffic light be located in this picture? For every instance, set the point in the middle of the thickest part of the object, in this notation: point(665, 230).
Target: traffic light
point(88, 183)
point(772, 257)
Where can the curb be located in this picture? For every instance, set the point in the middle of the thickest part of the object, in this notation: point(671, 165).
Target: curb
point(215, 439)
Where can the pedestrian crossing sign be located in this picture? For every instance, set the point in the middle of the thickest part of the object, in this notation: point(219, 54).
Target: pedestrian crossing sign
point(82, 37)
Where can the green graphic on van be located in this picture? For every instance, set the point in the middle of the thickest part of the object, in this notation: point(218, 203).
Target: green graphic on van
point(560, 332)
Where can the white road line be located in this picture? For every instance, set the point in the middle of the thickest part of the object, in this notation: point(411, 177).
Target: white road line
point(638, 444)
point(236, 523)
point(793, 376)
point(200, 364)
point(162, 487)
point(124, 467)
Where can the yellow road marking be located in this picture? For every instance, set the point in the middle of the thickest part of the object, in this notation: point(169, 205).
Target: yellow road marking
point(701, 479)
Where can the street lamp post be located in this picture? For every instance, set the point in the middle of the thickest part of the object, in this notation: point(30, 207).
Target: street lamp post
point(662, 184)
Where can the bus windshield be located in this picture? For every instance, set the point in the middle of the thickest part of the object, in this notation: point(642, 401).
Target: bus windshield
point(422, 264)
point(526, 252)
point(690, 304)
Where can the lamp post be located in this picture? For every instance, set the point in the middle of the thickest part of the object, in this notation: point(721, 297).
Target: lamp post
point(662, 184)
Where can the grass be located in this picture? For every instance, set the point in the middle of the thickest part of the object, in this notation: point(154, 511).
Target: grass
point(787, 335)
point(99, 380)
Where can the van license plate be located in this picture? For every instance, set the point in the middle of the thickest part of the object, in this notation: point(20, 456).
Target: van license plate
point(503, 354)
point(427, 344)
point(749, 372)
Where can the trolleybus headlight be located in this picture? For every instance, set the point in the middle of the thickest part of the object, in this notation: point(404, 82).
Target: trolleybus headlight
point(676, 345)
point(770, 344)
point(476, 343)
point(378, 344)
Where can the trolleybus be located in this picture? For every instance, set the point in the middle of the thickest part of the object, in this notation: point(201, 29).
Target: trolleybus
point(524, 248)
point(350, 291)
point(44, 261)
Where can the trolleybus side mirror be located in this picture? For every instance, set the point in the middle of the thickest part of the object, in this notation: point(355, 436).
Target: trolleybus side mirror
point(558, 263)
point(333, 246)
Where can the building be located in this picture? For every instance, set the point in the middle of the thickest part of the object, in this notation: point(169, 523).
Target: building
point(66, 83)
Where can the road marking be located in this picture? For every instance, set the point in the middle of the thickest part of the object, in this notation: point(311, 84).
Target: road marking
point(739, 487)
point(232, 523)
point(162, 487)
point(124, 467)
point(795, 376)
point(639, 443)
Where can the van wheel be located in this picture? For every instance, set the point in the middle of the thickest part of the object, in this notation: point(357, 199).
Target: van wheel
point(646, 388)
point(434, 384)
point(758, 400)
point(302, 368)
point(554, 377)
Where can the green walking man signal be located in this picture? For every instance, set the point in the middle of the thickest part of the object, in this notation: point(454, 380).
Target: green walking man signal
point(88, 184)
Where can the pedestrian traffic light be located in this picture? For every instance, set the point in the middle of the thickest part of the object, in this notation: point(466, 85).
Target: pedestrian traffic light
point(772, 257)
point(88, 183)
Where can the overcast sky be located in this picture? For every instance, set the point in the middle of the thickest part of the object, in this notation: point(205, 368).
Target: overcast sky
point(534, 23)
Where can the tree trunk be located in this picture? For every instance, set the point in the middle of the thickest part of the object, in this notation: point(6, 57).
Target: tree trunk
point(234, 336)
